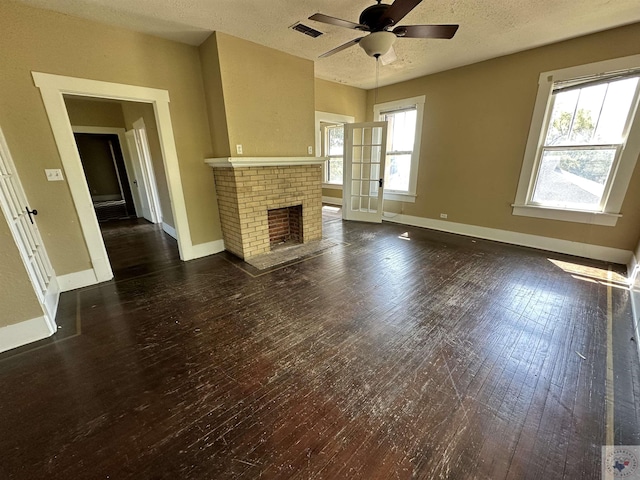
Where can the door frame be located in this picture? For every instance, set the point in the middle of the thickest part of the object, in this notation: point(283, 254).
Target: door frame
point(120, 132)
point(52, 88)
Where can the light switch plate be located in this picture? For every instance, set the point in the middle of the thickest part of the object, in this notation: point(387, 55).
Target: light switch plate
point(54, 174)
point(239, 149)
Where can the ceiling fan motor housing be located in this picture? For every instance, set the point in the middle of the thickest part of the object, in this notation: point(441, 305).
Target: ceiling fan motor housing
point(371, 17)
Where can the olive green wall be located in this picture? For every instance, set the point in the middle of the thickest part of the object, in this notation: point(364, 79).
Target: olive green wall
point(268, 97)
point(212, 77)
point(44, 41)
point(476, 124)
point(340, 99)
point(92, 113)
point(17, 299)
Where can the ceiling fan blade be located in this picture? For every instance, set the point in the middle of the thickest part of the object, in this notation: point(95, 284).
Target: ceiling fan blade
point(388, 57)
point(320, 17)
point(426, 31)
point(341, 47)
point(397, 12)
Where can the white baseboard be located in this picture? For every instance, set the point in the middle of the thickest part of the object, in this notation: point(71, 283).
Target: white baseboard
point(204, 250)
point(169, 230)
point(332, 200)
point(578, 249)
point(75, 280)
point(22, 333)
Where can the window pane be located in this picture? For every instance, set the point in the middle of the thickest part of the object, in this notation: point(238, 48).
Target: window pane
point(336, 140)
point(401, 131)
point(398, 169)
point(573, 177)
point(592, 115)
point(335, 171)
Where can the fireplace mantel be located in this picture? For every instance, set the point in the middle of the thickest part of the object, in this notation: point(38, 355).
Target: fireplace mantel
point(239, 162)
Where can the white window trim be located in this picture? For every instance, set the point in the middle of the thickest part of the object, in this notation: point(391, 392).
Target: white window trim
point(387, 107)
point(541, 113)
point(327, 117)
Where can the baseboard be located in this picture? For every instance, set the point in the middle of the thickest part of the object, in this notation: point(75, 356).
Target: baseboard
point(578, 249)
point(169, 230)
point(75, 280)
point(204, 250)
point(22, 333)
point(332, 200)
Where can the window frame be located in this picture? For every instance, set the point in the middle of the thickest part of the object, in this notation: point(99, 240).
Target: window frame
point(379, 110)
point(333, 119)
point(621, 171)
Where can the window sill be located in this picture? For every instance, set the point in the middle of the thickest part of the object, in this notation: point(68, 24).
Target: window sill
point(400, 197)
point(577, 216)
point(334, 186)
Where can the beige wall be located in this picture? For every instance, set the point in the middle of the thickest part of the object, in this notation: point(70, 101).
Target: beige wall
point(38, 40)
point(133, 111)
point(17, 298)
point(474, 134)
point(268, 98)
point(340, 99)
point(91, 113)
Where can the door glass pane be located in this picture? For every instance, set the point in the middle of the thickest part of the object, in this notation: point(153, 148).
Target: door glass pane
point(573, 177)
point(398, 171)
point(335, 170)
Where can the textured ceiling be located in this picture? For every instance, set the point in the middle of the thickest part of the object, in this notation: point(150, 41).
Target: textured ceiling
point(488, 28)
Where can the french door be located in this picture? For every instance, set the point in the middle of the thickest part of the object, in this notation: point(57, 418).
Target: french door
point(21, 220)
point(363, 177)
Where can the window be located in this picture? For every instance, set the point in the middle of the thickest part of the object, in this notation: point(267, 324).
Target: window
point(404, 119)
point(580, 154)
point(330, 143)
point(333, 148)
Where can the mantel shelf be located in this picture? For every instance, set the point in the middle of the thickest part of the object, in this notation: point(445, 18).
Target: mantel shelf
point(238, 162)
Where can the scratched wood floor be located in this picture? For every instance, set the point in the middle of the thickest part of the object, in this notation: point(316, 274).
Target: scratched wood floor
point(401, 353)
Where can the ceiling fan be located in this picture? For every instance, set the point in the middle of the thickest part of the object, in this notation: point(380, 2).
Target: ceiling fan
point(380, 21)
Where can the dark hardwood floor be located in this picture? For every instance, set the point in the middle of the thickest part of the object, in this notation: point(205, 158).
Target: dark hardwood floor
point(400, 353)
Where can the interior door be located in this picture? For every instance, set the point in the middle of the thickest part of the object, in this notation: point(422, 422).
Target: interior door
point(139, 185)
point(21, 220)
point(363, 182)
point(148, 175)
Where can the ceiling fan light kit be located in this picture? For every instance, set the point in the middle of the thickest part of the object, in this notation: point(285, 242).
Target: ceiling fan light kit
point(377, 43)
point(378, 20)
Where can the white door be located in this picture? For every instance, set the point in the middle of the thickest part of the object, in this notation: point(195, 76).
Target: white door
point(138, 184)
point(364, 156)
point(148, 175)
point(21, 220)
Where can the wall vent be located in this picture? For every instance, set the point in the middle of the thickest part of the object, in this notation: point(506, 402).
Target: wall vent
point(302, 28)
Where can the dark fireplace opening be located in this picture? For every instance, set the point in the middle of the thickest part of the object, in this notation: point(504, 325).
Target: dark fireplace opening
point(285, 226)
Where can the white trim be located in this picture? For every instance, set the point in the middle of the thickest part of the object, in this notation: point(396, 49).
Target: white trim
point(239, 162)
point(334, 186)
point(75, 280)
point(595, 218)
point(52, 87)
point(400, 197)
point(625, 165)
point(19, 334)
point(148, 173)
point(169, 230)
point(388, 107)
point(578, 249)
point(206, 249)
point(332, 200)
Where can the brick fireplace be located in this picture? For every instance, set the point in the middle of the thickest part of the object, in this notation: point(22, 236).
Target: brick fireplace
point(249, 188)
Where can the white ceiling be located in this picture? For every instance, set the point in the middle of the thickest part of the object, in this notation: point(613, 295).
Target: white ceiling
point(488, 28)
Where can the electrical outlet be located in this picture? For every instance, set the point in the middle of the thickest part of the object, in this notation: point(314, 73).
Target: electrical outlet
point(310, 150)
point(443, 215)
point(239, 149)
point(54, 174)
